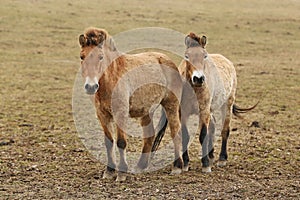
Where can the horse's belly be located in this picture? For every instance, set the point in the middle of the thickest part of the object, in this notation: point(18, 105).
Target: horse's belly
point(146, 99)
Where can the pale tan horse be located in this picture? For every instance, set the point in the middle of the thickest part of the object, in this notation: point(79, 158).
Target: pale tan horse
point(118, 82)
point(213, 78)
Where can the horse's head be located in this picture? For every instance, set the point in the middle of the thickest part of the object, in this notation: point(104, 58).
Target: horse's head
point(96, 46)
point(195, 56)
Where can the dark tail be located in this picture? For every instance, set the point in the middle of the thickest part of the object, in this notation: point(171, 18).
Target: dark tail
point(162, 125)
point(236, 110)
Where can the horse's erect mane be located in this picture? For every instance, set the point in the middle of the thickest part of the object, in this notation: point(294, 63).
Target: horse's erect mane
point(194, 37)
point(94, 36)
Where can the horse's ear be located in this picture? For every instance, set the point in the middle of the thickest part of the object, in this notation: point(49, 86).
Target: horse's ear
point(203, 41)
point(82, 40)
point(100, 38)
point(190, 42)
point(111, 44)
point(108, 43)
point(187, 41)
point(100, 45)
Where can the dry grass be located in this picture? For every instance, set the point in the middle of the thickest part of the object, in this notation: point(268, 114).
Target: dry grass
point(40, 57)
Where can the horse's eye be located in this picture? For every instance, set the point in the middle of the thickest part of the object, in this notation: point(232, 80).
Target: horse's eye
point(186, 57)
point(205, 56)
point(100, 57)
point(81, 57)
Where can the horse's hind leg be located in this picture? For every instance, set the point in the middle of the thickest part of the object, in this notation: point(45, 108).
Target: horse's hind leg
point(172, 112)
point(225, 133)
point(148, 137)
point(121, 144)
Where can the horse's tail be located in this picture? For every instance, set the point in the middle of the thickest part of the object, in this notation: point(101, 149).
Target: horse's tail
point(236, 110)
point(162, 125)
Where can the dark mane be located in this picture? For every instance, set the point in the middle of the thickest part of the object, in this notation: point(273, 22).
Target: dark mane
point(94, 36)
point(194, 37)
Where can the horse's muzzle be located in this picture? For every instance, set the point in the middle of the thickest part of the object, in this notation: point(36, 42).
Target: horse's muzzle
point(91, 89)
point(198, 81)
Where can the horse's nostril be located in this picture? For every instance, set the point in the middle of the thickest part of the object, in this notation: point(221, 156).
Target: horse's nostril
point(87, 86)
point(202, 79)
point(195, 78)
point(96, 86)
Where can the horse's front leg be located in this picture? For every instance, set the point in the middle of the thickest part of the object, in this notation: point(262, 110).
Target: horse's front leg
point(185, 142)
point(121, 144)
point(148, 137)
point(211, 131)
point(204, 139)
point(109, 142)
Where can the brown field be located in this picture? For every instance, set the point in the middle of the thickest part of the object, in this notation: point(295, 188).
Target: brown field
point(41, 155)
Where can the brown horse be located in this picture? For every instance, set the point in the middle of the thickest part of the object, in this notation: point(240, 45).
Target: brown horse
point(213, 78)
point(125, 86)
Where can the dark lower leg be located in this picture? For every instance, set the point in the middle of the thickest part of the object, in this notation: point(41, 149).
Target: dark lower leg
point(121, 144)
point(211, 140)
point(204, 142)
point(185, 142)
point(226, 130)
point(111, 166)
point(223, 154)
point(178, 163)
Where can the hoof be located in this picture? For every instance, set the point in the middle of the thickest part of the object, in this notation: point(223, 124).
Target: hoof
point(221, 163)
point(108, 174)
point(185, 168)
point(206, 169)
point(176, 171)
point(121, 177)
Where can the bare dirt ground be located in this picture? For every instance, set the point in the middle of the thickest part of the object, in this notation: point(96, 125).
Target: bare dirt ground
point(41, 155)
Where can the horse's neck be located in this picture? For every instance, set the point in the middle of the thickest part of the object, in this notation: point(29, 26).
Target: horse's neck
point(111, 56)
point(211, 75)
point(114, 62)
point(185, 71)
point(209, 67)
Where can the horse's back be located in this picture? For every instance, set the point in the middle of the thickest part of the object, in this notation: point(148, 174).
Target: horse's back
point(224, 65)
point(135, 60)
point(159, 63)
point(226, 71)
